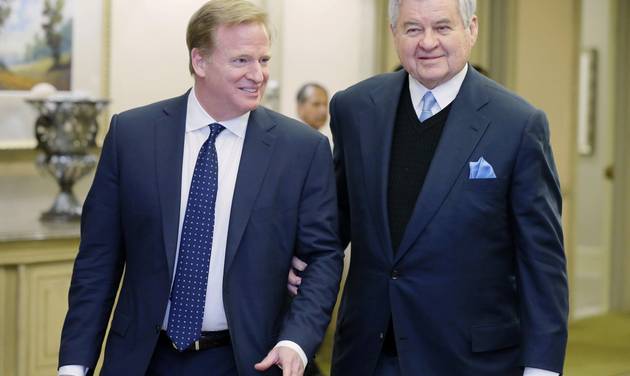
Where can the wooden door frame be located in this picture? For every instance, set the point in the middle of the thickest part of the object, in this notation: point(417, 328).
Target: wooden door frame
point(620, 268)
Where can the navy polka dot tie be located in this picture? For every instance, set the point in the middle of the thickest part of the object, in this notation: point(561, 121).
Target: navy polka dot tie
point(188, 295)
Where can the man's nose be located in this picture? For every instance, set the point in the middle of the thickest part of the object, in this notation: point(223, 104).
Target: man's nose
point(256, 72)
point(428, 40)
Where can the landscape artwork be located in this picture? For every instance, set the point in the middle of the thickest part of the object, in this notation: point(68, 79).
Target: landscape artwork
point(35, 43)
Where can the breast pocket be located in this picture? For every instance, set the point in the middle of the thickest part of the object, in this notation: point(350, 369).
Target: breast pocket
point(481, 204)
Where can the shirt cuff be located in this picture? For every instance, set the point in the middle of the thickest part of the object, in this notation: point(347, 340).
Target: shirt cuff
point(72, 370)
point(295, 347)
point(538, 372)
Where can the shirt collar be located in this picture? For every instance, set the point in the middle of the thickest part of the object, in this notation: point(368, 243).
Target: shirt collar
point(197, 118)
point(444, 94)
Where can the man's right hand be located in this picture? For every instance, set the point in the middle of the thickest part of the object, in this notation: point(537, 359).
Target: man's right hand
point(294, 280)
point(285, 358)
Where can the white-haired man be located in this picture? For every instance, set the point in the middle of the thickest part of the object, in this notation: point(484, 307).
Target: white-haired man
point(450, 197)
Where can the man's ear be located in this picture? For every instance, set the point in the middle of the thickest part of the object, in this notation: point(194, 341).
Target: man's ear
point(199, 61)
point(474, 29)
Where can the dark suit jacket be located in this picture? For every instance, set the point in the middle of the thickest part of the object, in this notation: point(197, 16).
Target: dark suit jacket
point(478, 285)
point(284, 204)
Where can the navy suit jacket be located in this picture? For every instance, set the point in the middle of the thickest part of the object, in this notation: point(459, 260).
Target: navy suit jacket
point(478, 285)
point(284, 204)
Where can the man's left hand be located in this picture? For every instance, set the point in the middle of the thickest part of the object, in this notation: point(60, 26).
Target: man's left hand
point(287, 359)
point(294, 280)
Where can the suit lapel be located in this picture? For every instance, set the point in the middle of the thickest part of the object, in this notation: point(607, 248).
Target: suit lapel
point(463, 130)
point(375, 132)
point(257, 149)
point(169, 152)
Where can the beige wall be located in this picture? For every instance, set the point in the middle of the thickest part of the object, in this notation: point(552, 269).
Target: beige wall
point(546, 48)
point(545, 71)
point(328, 41)
point(148, 55)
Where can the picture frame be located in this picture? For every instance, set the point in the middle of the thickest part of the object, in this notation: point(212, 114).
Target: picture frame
point(88, 72)
point(587, 102)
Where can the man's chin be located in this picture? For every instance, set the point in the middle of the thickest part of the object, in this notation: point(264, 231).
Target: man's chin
point(429, 79)
point(250, 104)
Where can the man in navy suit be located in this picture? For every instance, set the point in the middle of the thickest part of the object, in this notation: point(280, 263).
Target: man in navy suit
point(201, 201)
point(450, 197)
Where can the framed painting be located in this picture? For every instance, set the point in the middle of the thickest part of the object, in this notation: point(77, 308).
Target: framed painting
point(57, 42)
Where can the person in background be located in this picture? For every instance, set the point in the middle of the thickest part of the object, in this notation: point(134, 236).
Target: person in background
point(312, 105)
point(198, 205)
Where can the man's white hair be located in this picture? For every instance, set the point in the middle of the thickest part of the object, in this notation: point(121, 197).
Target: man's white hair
point(466, 11)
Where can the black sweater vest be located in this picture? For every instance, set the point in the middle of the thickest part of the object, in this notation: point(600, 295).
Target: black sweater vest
point(413, 147)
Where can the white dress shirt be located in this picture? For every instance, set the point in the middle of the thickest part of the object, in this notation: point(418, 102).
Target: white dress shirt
point(445, 94)
point(229, 145)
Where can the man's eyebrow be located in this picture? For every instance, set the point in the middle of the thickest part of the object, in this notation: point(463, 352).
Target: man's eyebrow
point(442, 21)
point(411, 23)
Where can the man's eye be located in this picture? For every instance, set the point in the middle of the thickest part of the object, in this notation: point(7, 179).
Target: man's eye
point(240, 60)
point(413, 30)
point(265, 60)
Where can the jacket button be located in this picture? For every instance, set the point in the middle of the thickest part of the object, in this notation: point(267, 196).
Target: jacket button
point(381, 335)
point(395, 274)
point(158, 328)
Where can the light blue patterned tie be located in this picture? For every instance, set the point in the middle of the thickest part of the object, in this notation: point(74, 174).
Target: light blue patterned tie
point(188, 296)
point(428, 101)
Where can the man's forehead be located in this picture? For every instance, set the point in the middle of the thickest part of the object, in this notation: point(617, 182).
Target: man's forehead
point(312, 91)
point(446, 2)
point(445, 12)
point(435, 6)
point(318, 90)
point(240, 36)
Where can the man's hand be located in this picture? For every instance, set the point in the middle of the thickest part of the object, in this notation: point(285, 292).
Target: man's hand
point(287, 359)
point(294, 280)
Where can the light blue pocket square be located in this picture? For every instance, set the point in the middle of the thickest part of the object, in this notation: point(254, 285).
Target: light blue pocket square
point(481, 170)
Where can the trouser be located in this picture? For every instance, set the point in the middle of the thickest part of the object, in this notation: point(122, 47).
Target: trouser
point(167, 361)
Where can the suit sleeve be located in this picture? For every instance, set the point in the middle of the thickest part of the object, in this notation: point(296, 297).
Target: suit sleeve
point(98, 266)
point(340, 174)
point(318, 245)
point(541, 266)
